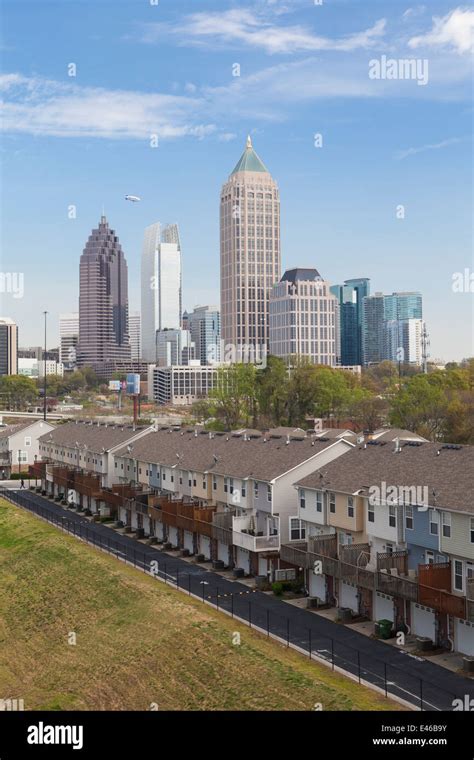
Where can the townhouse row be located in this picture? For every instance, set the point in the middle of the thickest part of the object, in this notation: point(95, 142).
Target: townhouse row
point(319, 505)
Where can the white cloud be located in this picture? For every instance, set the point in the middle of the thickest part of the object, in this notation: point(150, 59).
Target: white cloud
point(455, 30)
point(422, 148)
point(44, 107)
point(417, 10)
point(245, 27)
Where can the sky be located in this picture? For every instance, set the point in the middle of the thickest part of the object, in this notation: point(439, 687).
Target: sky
point(155, 98)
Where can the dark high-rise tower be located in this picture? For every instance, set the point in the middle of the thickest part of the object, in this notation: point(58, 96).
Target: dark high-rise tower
point(103, 301)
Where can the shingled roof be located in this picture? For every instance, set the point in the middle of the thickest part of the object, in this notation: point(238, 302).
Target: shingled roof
point(241, 456)
point(448, 475)
point(97, 437)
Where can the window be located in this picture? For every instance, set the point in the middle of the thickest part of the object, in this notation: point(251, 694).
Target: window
point(297, 529)
point(350, 506)
point(204, 482)
point(164, 476)
point(370, 512)
point(172, 478)
point(255, 490)
point(269, 493)
point(214, 483)
point(231, 485)
point(226, 486)
point(244, 490)
point(471, 530)
point(28, 441)
point(446, 525)
point(434, 527)
point(392, 516)
point(458, 575)
point(302, 500)
point(194, 482)
point(319, 501)
point(332, 502)
point(409, 518)
point(189, 479)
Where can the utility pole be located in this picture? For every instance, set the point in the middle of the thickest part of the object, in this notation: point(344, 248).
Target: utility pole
point(44, 367)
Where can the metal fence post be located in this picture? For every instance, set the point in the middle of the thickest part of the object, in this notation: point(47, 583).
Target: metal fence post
point(189, 584)
point(421, 694)
point(287, 632)
point(268, 622)
point(358, 664)
point(217, 597)
point(165, 572)
point(310, 647)
point(177, 577)
point(385, 677)
point(332, 653)
point(232, 604)
point(250, 613)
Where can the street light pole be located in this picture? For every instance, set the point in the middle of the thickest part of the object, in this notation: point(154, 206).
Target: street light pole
point(44, 367)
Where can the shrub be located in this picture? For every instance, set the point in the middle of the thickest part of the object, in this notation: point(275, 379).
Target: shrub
point(277, 588)
point(19, 476)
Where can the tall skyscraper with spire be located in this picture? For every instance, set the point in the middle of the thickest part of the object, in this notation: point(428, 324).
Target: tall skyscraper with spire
point(249, 251)
point(103, 301)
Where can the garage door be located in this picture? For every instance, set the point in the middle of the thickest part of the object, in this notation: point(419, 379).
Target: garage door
point(243, 560)
point(158, 529)
point(383, 607)
point(188, 541)
point(349, 597)
point(423, 621)
point(317, 586)
point(205, 546)
point(223, 553)
point(464, 637)
point(173, 536)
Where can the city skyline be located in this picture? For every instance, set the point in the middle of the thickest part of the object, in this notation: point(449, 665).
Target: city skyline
point(75, 142)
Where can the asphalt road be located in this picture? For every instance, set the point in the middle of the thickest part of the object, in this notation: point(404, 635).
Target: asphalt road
point(416, 680)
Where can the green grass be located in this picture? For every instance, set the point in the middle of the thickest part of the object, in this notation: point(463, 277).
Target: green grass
point(138, 642)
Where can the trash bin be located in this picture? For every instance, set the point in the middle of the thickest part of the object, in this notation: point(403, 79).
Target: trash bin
point(384, 628)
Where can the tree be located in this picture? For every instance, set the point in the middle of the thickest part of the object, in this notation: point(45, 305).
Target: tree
point(421, 406)
point(233, 402)
point(17, 391)
point(272, 392)
point(368, 412)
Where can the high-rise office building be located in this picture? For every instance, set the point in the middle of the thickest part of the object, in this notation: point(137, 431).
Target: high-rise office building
point(350, 296)
point(134, 326)
point(249, 251)
point(8, 346)
point(303, 317)
point(103, 301)
point(161, 276)
point(68, 339)
point(174, 347)
point(205, 326)
point(392, 327)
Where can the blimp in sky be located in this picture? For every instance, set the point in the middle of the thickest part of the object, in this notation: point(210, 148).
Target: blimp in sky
point(133, 198)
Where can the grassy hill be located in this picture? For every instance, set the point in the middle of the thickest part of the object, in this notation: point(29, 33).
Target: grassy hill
point(137, 642)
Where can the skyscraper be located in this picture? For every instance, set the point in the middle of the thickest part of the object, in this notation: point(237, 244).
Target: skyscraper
point(303, 317)
point(249, 251)
point(68, 339)
point(205, 326)
point(161, 275)
point(392, 327)
point(350, 296)
point(103, 301)
point(134, 324)
point(8, 346)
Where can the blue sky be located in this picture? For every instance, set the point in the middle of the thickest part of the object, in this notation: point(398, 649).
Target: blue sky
point(167, 69)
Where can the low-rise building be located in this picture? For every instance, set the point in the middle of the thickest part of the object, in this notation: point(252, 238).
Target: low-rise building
point(389, 533)
point(19, 445)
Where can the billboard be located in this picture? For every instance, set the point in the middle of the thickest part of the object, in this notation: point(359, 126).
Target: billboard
point(114, 385)
point(133, 384)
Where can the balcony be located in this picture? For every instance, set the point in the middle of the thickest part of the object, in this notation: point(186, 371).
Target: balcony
point(470, 600)
point(247, 537)
point(393, 561)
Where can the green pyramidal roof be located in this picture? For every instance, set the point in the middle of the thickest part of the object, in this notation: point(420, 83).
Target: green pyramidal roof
point(249, 161)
